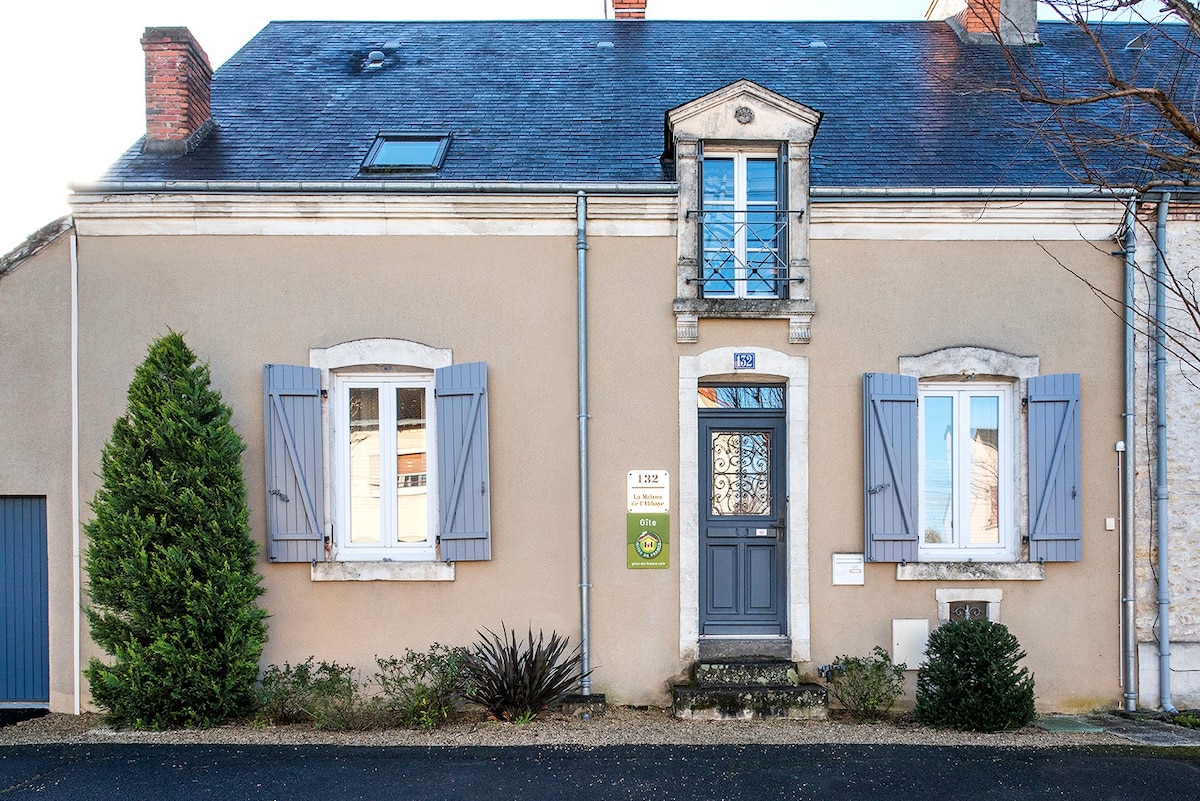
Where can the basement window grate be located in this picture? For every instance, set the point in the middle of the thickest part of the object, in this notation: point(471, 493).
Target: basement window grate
point(968, 610)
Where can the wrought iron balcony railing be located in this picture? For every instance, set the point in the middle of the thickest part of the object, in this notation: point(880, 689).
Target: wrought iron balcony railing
point(743, 253)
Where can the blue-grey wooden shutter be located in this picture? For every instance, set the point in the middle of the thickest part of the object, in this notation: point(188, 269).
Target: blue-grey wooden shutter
point(464, 489)
point(24, 601)
point(1055, 469)
point(890, 467)
point(295, 472)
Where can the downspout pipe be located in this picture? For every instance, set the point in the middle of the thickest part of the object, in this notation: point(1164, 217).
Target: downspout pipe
point(1128, 471)
point(76, 548)
point(1161, 490)
point(585, 582)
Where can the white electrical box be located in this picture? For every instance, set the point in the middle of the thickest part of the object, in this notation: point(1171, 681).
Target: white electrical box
point(909, 637)
point(848, 568)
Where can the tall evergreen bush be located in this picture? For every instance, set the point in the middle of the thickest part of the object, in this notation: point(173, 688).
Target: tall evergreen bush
point(971, 679)
point(170, 561)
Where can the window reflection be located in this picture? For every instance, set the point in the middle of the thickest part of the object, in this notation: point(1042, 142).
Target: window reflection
point(741, 397)
point(364, 464)
point(412, 518)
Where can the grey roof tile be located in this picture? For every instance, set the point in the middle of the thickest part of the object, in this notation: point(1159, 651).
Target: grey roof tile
point(904, 103)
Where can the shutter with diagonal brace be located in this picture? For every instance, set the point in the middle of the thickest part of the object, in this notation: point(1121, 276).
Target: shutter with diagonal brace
point(890, 467)
point(464, 488)
point(1055, 469)
point(295, 468)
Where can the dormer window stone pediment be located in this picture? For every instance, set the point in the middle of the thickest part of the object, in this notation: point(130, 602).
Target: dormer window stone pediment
point(743, 112)
point(741, 161)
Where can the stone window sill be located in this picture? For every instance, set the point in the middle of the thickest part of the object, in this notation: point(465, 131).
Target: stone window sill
point(971, 571)
point(798, 313)
point(383, 571)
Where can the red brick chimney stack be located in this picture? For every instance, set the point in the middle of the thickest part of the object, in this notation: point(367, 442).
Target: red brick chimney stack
point(1009, 22)
point(982, 17)
point(178, 88)
point(629, 9)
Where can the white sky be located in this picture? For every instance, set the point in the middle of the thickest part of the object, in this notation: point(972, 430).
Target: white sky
point(71, 71)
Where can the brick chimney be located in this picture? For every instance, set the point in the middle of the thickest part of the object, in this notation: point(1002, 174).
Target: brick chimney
point(629, 9)
point(1009, 22)
point(178, 86)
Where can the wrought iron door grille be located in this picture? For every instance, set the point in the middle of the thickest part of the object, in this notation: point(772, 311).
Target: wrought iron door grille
point(741, 473)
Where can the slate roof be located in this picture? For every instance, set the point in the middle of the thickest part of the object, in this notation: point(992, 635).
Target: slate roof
point(906, 104)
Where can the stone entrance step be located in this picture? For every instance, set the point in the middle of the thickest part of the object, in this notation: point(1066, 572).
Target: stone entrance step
point(748, 688)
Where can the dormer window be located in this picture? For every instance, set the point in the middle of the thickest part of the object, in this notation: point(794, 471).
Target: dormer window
point(405, 153)
point(743, 228)
point(741, 160)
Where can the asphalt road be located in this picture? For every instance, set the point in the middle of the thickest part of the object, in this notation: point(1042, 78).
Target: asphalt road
point(661, 773)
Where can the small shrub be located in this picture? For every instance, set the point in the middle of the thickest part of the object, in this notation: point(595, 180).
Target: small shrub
point(866, 686)
point(422, 689)
point(516, 680)
point(971, 679)
point(1188, 719)
point(326, 695)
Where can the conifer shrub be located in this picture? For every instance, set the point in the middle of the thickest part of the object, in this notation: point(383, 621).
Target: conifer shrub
point(170, 560)
point(971, 679)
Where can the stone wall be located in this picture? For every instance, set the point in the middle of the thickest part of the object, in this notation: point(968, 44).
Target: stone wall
point(1183, 456)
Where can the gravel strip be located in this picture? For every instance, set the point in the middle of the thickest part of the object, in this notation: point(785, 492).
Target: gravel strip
point(617, 726)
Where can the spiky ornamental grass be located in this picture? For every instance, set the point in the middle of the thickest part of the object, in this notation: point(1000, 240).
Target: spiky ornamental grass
point(515, 680)
point(170, 561)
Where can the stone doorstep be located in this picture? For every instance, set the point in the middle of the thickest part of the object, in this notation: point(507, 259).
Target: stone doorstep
point(794, 702)
point(744, 672)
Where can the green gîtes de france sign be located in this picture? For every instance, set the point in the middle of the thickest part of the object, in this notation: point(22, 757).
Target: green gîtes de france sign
point(648, 540)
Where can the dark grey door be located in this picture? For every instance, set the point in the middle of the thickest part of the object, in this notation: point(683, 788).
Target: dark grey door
point(743, 563)
point(24, 602)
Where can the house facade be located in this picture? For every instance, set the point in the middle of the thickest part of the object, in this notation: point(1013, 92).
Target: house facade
point(778, 351)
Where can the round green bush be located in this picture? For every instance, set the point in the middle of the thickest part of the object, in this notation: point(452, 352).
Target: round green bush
point(971, 679)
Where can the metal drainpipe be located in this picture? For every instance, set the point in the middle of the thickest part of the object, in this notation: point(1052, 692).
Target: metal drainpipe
point(76, 557)
point(1161, 494)
point(1128, 470)
point(585, 585)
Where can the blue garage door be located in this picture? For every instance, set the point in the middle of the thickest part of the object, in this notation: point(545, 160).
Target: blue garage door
point(24, 602)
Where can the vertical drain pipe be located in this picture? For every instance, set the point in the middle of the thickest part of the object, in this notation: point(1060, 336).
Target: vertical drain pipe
point(76, 557)
point(585, 585)
point(1128, 471)
point(1160, 490)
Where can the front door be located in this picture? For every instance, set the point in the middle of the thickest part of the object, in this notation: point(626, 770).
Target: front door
point(742, 511)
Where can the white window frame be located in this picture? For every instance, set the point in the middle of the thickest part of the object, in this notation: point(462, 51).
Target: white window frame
point(960, 549)
point(385, 549)
point(741, 208)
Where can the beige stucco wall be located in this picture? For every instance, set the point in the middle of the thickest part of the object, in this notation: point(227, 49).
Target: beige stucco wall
point(242, 301)
point(1183, 465)
point(880, 300)
point(35, 427)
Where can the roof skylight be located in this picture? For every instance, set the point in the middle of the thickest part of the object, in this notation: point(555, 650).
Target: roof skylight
point(405, 152)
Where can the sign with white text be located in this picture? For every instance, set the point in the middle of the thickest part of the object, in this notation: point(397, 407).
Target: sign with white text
point(647, 541)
